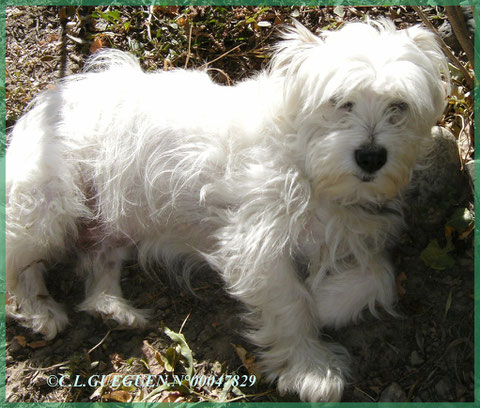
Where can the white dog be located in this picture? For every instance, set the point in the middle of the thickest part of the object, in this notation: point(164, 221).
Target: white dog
point(287, 184)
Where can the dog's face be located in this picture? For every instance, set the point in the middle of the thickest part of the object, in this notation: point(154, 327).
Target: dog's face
point(362, 100)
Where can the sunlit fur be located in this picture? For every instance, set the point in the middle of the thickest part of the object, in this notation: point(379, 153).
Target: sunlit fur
point(257, 180)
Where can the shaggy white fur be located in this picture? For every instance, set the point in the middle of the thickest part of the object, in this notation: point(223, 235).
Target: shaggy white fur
point(287, 184)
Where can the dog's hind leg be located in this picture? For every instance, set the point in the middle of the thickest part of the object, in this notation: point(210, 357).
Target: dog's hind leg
point(40, 229)
point(44, 203)
point(36, 309)
point(102, 268)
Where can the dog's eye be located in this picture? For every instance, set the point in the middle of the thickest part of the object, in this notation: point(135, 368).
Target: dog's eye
point(348, 106)
point(396, 112)
point(399, 106)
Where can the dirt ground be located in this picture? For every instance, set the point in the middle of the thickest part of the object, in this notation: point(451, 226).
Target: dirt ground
point(425, 355)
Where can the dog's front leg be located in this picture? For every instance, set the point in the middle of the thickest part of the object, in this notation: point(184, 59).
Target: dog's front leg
point(342, 296)
point(284, 328)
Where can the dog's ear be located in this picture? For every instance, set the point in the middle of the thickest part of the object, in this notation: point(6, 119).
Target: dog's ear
point(289, 52)
point(423, 39)
point(439, 79)
point(300, 34)
point(429, 43)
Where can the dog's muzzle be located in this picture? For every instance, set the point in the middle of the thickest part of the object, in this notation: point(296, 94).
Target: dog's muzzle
point(370, 158)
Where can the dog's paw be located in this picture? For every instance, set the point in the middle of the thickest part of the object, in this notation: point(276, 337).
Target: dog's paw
point(115, 308)
point(45, 316)
point(316, 372)
point(312, 385)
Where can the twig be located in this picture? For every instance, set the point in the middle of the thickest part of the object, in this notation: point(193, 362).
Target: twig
point(261, 394)
point(457, 21)
point(221, 56)
point(445, 48)
point(185, 321)
point(462, 130)
point(47, 368)
point(149, 23)
point(234, 48)
point(229, 82)
point(63, 46)
point(365, 393)
point(189, 45)
point(208, 398)
point(101, 342)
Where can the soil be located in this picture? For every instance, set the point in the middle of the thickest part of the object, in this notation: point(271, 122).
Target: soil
point(424, 355)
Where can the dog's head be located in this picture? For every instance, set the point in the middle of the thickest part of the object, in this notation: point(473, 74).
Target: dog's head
point(361, 101)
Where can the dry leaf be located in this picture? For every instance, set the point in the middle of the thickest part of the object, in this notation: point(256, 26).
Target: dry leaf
point(37, 344)
point(464, 235)
point(173, 396)
point(116, 360)
point(62, 13)
point(170, 10)
point(119, 396)
point(449, 231)
point(21, 340)
point(154, 358)
point(248, 360)
point(95, 45)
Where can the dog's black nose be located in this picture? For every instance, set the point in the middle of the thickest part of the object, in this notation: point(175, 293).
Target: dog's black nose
point(371, 158)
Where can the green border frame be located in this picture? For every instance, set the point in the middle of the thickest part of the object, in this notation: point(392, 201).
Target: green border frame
point(241, 2)
point(5, 3)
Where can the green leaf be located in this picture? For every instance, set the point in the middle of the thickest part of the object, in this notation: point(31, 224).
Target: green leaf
point(113, 16)
point(171, 359)
point(185, 351)
point(436, 257)
point(449, 302)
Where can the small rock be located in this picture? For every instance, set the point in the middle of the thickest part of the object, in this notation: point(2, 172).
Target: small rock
point(393, 393)
point(163, 303)
point(424, 395)
point(101, 366)
point(441, 171)
point(470, 169)
point(442, 388)
point(460, 390)
point(415, 359)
